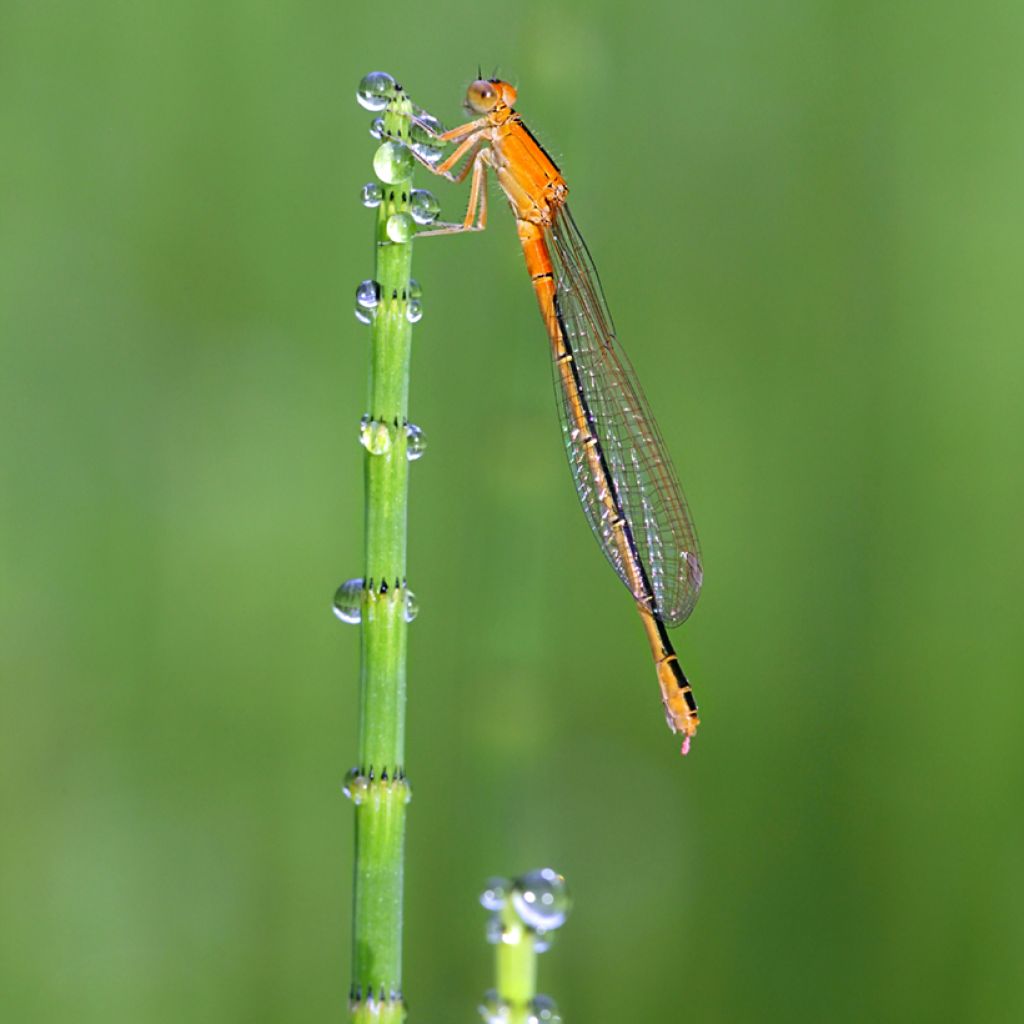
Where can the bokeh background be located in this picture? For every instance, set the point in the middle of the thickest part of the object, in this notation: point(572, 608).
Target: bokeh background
point(808, 219)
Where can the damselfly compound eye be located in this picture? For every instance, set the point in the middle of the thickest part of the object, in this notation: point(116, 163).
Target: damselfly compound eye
point(482, 96)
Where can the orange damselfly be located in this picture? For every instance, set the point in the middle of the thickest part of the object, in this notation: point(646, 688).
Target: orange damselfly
point(625, 480)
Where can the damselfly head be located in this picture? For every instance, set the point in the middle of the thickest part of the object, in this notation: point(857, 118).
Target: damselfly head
point(487, 94)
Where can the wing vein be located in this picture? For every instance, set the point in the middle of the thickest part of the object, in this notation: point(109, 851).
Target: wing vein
point(645, 487)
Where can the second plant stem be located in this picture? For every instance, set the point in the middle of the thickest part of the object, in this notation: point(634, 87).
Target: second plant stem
point(516, 967)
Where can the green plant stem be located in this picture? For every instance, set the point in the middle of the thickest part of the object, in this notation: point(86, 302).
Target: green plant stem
point(380, 814)
point(516, 966)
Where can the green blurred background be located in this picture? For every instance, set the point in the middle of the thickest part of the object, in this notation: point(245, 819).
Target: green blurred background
point(808, 219)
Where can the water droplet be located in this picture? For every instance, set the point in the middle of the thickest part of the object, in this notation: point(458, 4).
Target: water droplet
point(495, 929)
point(374, 436)
point(542, 1010)
point(541, 899)
point(423, 206)
point(377, 128)
point(375, 90)
point(399, 227)
point(542, 941)
point(356, 785)
point(348, 601)
point(412, 606)
point(426, 127)
point(495, 894)
point(392, 162)
point(428, 153)
point(415, 291)
point(372, 195)
point(414, 311)
point(494, 1009)
point(423, 138)
point(368, 294)
point(367, 299)
point(415, 442)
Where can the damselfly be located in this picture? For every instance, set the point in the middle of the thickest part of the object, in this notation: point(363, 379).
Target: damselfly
point(624, 478)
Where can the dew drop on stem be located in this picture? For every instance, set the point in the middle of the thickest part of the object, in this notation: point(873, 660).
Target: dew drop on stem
point(393, 162)
point(375, 90)
point(348, 601)
point(541, 899)
point(399, 227)
point(374, 435)
point(415, 442)
point(423, 206)
point(495, 893)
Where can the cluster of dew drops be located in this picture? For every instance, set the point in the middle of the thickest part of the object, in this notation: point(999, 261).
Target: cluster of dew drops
point(531, 909)
point(393, 162)
point(349, 597)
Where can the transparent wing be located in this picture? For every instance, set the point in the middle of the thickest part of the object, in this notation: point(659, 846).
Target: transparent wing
point(630, 458)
